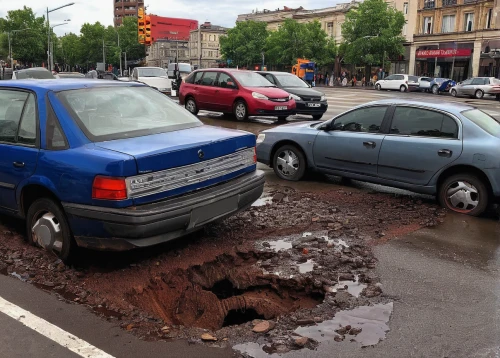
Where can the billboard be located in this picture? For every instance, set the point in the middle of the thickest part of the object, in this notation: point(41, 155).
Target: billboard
point(171, 28)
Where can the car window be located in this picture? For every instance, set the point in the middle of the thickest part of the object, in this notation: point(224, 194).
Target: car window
point(115, 112)
point(27, 128)
point(225, 81)
point(390, 78)
point(478, 81)
point(467, 82)
point(54, 136)
point(368, 120)
point(11, 110)
point(39, 74)
point(399, 77)
point(413, 78)
point(423, 122)
point(209, 78)
point(425, 79)
point(486, 81)
point(483, 120)
point(197, 78)
point(270, 78)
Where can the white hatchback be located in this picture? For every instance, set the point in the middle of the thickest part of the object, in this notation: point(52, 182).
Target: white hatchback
point(403, 83)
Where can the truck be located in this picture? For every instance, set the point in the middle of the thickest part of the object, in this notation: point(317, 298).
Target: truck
point(304, 69)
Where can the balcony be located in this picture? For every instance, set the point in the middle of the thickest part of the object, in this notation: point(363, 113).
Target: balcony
point(449, 2)
point(429, 4)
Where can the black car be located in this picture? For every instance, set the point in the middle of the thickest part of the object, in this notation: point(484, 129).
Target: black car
point(309, 101)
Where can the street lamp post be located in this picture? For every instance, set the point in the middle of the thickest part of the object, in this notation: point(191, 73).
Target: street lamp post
point(49, 30)
point(51, 44)
point(10, 46)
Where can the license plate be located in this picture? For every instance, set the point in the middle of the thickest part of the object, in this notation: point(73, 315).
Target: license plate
point(314, 105)
point(280, 108)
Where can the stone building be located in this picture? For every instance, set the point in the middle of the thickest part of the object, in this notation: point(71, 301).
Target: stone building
point(456, 38)
point(204, 48)
point(164, 51)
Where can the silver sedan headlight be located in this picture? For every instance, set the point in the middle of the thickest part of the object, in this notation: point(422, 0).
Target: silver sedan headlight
point(261, 138)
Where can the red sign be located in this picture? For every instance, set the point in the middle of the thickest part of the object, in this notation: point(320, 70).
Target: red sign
point(444, 52)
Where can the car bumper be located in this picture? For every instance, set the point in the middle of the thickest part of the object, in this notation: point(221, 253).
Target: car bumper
point(268, 108)
point(303, 108)
point(263, 151)
point(146, 225)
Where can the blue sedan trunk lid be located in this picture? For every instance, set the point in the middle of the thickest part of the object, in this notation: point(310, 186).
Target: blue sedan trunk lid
point(179, 148)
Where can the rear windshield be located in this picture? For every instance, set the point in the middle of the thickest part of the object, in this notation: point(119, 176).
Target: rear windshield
point(251, 79)
point(483, 120)
point(151, 72)
point(36, 74)
point(117, 112)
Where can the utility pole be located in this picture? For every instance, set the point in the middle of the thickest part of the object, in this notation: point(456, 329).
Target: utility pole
point(48, 42)
point(10, 52)
point(104, 53)
point(125, 53)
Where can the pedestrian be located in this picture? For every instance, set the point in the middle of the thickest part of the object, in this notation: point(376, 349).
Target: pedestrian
point(326, 79)
point(354, 81)
point(344, 82)
point(331, 80)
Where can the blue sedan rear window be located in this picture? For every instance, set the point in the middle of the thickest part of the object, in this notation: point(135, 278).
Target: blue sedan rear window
point(483, 120)
point(108, 113)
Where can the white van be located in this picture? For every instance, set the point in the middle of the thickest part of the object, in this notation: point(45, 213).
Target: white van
point(184, 68)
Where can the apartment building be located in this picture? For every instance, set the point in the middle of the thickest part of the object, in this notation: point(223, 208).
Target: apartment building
point(204, 47)
point(124, 8)
point(456, 39)
point(165, 51)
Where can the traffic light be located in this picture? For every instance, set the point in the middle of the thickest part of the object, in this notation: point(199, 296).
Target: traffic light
point(141, 28)
point(147, 27)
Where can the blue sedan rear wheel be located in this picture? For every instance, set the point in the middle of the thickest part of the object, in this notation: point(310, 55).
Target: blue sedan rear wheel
point(464, 193)
point(289, 163)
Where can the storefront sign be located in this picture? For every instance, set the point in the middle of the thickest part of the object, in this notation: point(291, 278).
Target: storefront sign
point(445, 52)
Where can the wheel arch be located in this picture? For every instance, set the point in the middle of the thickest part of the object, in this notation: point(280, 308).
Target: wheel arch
point(463, 168)
point(283, 142)
point(32, 192)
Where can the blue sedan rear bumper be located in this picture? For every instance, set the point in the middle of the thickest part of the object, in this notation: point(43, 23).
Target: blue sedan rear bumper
point(146, 225)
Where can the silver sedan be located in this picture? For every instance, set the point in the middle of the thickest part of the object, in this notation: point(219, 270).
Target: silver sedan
point(477, 87)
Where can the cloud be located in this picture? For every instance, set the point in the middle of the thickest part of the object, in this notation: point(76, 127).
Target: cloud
point(219, 12)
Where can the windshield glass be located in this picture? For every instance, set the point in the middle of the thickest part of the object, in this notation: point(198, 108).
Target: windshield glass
point(184, 67)
point(71, 75)
point(291, 81)
point(483, 120)
point(36, 74)
point(251, 79)
point(125, 112)
point(151, 72)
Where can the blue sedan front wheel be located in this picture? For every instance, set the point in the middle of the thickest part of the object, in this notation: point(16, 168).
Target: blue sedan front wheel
point(289, 163)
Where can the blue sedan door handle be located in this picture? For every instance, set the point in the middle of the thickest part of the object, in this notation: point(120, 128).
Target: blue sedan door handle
point(445, 153)
point(18, 164)
point(370, 144)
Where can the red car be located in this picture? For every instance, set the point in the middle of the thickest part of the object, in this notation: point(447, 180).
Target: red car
point(242, 93)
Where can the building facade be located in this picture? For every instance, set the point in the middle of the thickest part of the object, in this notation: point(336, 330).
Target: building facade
point(456, 39)
point(124, 8)
point(204, 47)
point(171, 28)
point(165, 51)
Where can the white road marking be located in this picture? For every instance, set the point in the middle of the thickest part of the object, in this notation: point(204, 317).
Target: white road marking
point(47, 329)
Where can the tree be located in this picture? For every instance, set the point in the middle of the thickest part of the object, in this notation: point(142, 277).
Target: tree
point(128, 39)
point(288, 43)
point(372, 32)
point(91, 40)
point(29, 45)
point(245, 43)
point(70, 50)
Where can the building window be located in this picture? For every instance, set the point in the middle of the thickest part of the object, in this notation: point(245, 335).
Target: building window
point(469, 22)
point(405, 8)
point(405, 27)
point(448, 23)
point(488, 18)
point(427, 30)
point(329, 29)
point(429, 4)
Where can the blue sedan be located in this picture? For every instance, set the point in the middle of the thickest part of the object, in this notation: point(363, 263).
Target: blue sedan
point(448, 150)
point(112, 165)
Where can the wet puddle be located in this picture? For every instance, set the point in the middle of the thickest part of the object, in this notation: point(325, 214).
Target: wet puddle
point(263, 201)
point(353, 287)
point(371, 319)
point(306, 266)
point(279, 245)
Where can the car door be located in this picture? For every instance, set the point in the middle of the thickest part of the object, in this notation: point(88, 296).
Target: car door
point(478, 84)
point(420, 142)
point(386, 82)
point(465, 88)
point(18, 143)
point(207, 91)
point(352, 142)
point(226, 92)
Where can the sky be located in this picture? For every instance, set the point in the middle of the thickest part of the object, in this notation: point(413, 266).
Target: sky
point(218, 12)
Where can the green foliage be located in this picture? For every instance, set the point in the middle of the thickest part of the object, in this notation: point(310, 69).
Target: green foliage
point(244, 43)
point(371, 30)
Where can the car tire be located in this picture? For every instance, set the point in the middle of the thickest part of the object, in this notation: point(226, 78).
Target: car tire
point(453, 93)
point(317, 117)
point(240, 110)
point(473, 191)
point(191, 106)
point(378, 87)
point(295, 166)
point(435, 89)
point(479, 94)
point(402, 88)
point(47, 217)
point(282, 118)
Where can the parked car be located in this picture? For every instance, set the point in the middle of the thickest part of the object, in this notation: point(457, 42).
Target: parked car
point(184, 68)
point(477, 87)
point(242, 93)
point(37, 73)
point(424, 84)
point(448, 150)
point(155, 77)
point(402, 83)
point(309, 101)
point(67, 75)
point(114, 165)
point(439, 85)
